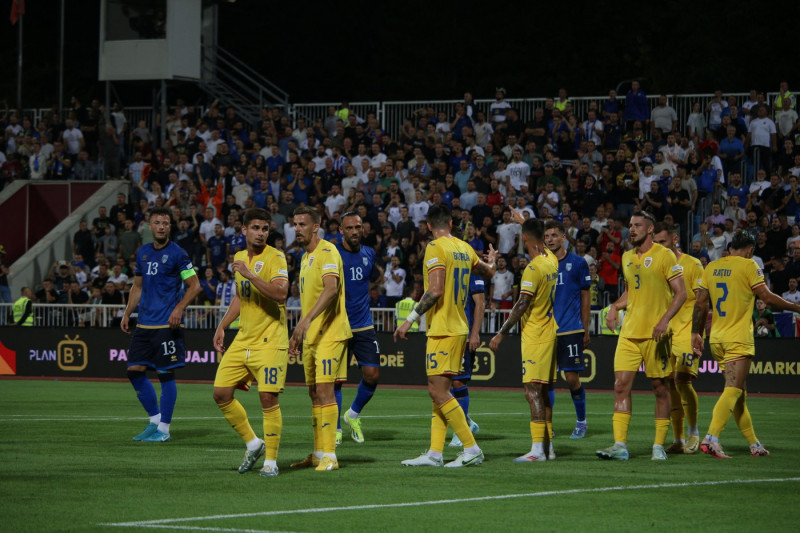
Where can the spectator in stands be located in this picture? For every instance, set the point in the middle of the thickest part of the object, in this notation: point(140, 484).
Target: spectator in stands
point(636, 106)
point(763, 320)
point(792, 295)
point(762, 139)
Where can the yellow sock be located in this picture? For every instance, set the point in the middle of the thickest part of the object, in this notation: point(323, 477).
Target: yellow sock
point(327, 430)
point(438, 429)
point(690, 403)
point(662, 428)
point(742, 416)
point(236, 416)
point(620, 421)
point(456, 419)
point(676, 413)
point(316, 413)
point(538, 430)
point(723, 409)
point(273, 424)
point(549, 425)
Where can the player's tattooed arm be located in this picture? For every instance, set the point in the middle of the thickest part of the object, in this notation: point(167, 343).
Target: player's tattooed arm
point(427, 301)
point(700, 312)
point(516, 313)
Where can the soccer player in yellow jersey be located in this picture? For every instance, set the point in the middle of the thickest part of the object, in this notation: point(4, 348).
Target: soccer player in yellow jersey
point(447, 266)
point(323, 332)
point(730, 286)
point(654, 293)
point(261, 344)
point(683, 397)
point(535, 308)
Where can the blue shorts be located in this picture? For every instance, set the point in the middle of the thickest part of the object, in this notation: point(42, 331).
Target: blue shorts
point(364, 345)
point(569, 352)
point(158, 349)
point(469, 361)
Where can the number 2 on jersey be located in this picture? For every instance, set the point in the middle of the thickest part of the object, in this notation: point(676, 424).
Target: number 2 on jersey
point(721, 299)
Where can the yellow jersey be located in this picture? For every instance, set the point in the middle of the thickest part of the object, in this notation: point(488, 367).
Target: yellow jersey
point(261, 319)
point(692, 272)
point(731, 282)
point(649, 294)
point(539, 282)
point(331, 324)
point(447, 317)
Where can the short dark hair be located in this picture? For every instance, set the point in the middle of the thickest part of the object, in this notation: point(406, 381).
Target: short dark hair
point(350, 214)
point(439, 216)
point(741, 240)
point(672, 229)
point(161, 211)
point(533, 227)
point(255, 213)
point(316, 218)
point(555, 224)
point(646, 214)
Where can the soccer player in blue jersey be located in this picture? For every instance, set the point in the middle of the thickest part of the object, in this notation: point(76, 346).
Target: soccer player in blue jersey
point(162, 269)
point(573, 310)
point(474, 309)
point(359, 270)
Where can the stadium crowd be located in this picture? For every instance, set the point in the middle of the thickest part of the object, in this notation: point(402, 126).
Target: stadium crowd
point(733, 164)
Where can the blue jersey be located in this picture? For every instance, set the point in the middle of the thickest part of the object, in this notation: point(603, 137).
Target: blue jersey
point(237, 243)
point(573, 277)
point(358, 272)
point(162, 272)
point(476, 285)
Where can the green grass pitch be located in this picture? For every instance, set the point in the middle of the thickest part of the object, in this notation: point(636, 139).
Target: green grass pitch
point(69, 464)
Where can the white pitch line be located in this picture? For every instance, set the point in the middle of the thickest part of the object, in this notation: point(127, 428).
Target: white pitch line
point(161, 523)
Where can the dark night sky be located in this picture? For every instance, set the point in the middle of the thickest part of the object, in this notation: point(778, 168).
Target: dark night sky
point(436, 50)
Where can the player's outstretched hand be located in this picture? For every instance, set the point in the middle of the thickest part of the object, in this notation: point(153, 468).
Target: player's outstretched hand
point(219, 340)
point(516, 214)
point(401, 330)
point(241, 267)
point(697, 344)
point(494, 344)
point(491, 256)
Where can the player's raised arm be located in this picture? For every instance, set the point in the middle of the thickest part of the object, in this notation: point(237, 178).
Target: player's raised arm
point(277, 289)
point(775, 301)
point(487, 267)
point(435, 290)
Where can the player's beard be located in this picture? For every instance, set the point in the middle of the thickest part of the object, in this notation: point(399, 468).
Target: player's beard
point(161, 241)
point(640, 241)
point(354, 243)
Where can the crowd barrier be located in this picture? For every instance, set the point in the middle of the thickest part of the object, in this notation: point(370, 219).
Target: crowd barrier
point(103, 353)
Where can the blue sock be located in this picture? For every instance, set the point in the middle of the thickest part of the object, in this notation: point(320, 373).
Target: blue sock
point(551, 393)
point(579, 399)
point(363, 396)
point(144, 391)
point(461, 395)
point(337, 392)
point(169, 395)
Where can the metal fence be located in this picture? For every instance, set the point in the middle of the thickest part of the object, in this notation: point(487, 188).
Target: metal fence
point(207, 317)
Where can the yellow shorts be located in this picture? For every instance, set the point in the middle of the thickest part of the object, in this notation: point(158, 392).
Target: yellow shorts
point(444, 356)
point(539, 361)
point(684, 359)
point(267, 365)
point(727, 352)
point(655, 355)
point(324, 361)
